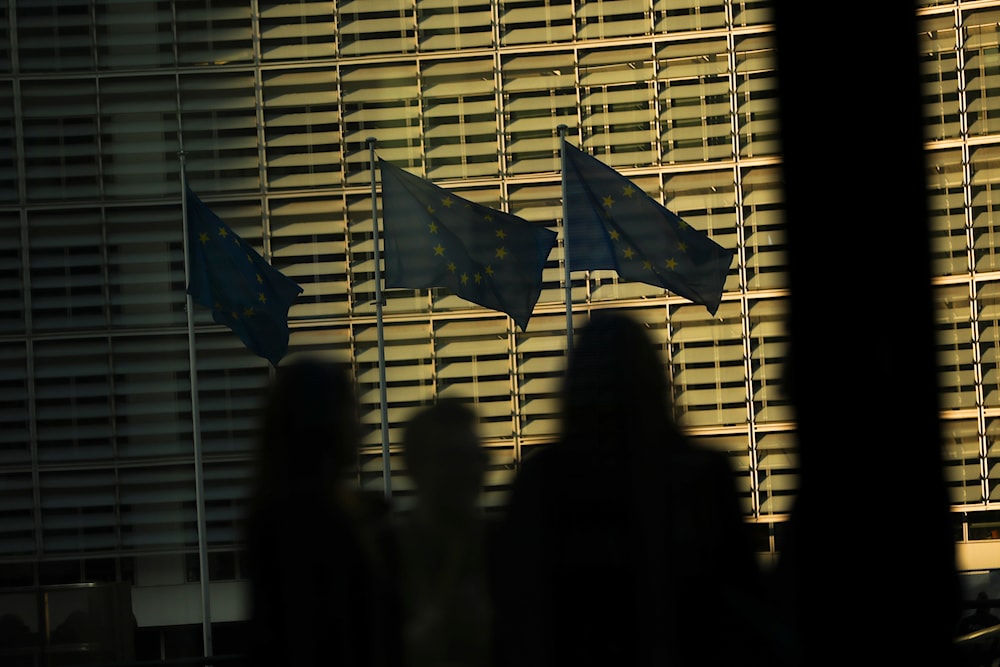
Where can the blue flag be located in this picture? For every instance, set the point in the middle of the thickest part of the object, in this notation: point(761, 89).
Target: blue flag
point(243, 291)
point(612, 224)
point(434, 238)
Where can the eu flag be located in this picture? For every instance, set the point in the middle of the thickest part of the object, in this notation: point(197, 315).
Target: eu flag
point(244, 292)
point(612, 224)
point(434, 238)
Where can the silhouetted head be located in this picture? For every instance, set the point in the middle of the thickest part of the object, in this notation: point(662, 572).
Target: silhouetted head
point(444, 457)
point(309, 430)
point(615, 386)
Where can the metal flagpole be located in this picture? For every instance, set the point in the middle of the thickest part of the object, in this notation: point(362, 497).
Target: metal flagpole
point(386, 461)
point(565, 209)
point(199, 480)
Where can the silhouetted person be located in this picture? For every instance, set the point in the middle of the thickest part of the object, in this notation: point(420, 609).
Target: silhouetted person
point(624, 544)
point(982, 617)
point(979, 651)
point(319, 591)
point(443, 566)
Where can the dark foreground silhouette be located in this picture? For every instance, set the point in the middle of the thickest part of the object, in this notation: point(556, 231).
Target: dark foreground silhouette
point(624, 543)
point(320, 592)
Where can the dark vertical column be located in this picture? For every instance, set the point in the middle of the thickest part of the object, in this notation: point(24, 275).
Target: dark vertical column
point(870, 561)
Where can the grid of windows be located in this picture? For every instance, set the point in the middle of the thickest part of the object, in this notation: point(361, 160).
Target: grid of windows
point(273, 104)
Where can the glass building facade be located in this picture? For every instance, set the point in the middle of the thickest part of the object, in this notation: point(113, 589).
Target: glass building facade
point(271, 105)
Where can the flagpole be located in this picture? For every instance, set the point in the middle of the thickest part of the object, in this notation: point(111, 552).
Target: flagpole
point(565, 218)
point(386, 461)
point(199, 480)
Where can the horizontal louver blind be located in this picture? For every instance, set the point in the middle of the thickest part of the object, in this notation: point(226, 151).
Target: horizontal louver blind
point(764, 223)
point(988, 305)
point(158, 507)
point(949, 244)
point(133, 35)
point(380, 102)
point(961, 460)
point(985, 206)
point(55, 37)
point(448, 25)
point(60, 134)
point(939, 77)
point(756, 97)
point(542, 204)
point(11, 273)
point(219, 123)
point(460, 119)
point(982, 71)
point(536, 21)
point(152, 397)
point(8, 157)
point(409, 375)
point(218, 32)
point(992, 459)
point(146, 266)
point(15, 440)
point(539, 94)
point(541, 359)
point(694, 100)
point(139, 137)
point(617, 99)
point(309, 244)
point(67, 268)
point(769, 342)
point(368, 27)
point(297, 30)
point(302, 129)
point(613, 18)
point(956, 372)
point(708, 373)
point(777, 473)
point(686, 15)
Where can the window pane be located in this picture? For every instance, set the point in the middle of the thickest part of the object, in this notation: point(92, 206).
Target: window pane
point(309, 244)
point(947, 211)
point(764, 220)
point(693, 91)
point(961, 460)
point(213, 32)
point(297, 30)
point(536, 21)
point(618, 99)
point(376, 26)
point(769, 341)
point(956, 374)
point(460, 119)
point(707, 357)
point(67, 269)
point(756, 97)
point(139, 137)
point(54, 36)
point(133, 35)
point(985, 187)
point(60, 139)
point(684, 15)
point(302, 130)
point(982, 71)
point(939, 76)
point(539, 93)
point(444, 24)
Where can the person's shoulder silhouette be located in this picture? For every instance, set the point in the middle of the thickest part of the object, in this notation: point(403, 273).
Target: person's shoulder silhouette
point(982, 617)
